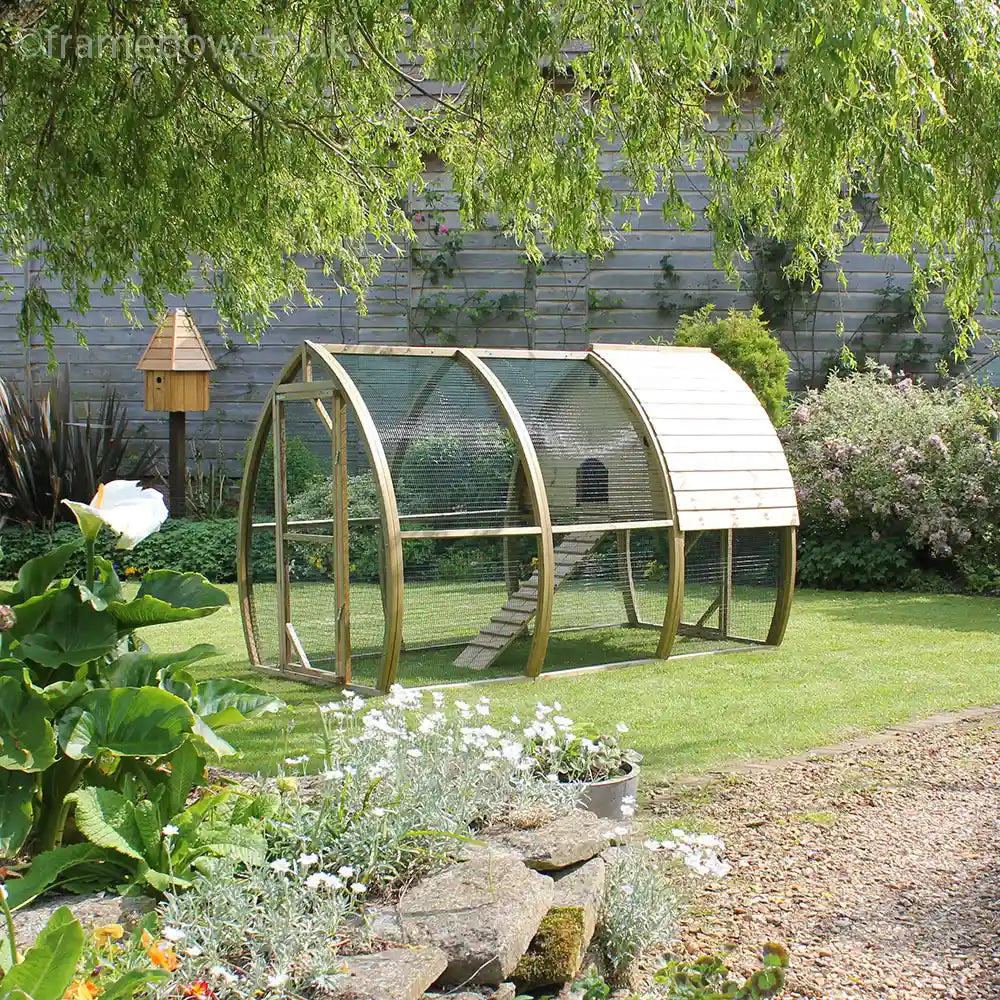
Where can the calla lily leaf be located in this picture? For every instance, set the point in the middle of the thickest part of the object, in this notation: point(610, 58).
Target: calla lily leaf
point(72, 633)
point(17, 790)
point(144, 668)
point(167, 596)
point(125, 722)
point(27, 742)
point(36, 574)
point(225, 701)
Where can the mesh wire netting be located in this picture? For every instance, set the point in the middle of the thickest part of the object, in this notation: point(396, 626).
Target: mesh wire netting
point(454, 465)
point(594, 463)
point(744, 608)
point(448, 445)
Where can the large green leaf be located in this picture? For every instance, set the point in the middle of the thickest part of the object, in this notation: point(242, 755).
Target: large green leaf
point(107, 818)
point(143, 667)
point(128, 985)
point(27, 742)
point(17, 791)
point(167, 596)
point(36, 574)
point(210, 741)
point(105, 589)
point(50, 964)
point(71, 633)
point(225, 701)
point(127, 722)
point(50, 868)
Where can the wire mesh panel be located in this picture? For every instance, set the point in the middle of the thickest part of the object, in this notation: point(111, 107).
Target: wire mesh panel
point(731, 583)
point(704, 572)
point(596, 466)
point(452, 457)
point(756, 572)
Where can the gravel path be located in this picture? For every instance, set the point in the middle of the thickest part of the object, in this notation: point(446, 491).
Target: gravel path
point(878, 866)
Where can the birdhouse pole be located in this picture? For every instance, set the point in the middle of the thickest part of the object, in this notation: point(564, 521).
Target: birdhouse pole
point(177, 362)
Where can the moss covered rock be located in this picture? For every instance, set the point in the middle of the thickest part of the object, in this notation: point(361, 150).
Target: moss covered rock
point(555, 952)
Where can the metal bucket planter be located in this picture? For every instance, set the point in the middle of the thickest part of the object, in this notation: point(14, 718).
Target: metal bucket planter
point(606, 798)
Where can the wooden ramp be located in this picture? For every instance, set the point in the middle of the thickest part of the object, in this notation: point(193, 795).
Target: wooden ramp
point(512, 619)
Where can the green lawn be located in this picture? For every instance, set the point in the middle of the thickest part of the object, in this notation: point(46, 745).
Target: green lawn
point(850, 663)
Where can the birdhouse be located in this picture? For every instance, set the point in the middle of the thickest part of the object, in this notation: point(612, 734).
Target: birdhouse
point(176, 363)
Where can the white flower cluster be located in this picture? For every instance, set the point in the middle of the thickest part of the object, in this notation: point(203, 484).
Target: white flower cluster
point(319, 879)
point(701, 852)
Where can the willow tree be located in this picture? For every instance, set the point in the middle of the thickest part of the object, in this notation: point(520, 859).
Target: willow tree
point(137, 137)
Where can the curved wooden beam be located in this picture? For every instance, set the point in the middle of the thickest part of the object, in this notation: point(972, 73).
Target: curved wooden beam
point(539, 506)
point(244, 551)
point(786, 588)
point(392, 543)
point(675, 581)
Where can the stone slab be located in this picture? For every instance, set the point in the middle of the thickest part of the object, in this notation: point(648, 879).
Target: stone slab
point(559, 843)
point(393, 974)
point(482, 912)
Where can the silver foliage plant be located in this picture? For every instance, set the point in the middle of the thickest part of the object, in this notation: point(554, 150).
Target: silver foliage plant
point(641, 911)
point(403, 787)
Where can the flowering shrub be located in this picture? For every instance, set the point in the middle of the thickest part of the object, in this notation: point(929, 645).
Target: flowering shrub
point(894, 477)
point(562, 750)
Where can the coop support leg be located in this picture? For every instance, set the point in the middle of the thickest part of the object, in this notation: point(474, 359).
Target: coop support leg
point(282, 581)
point(341, 544)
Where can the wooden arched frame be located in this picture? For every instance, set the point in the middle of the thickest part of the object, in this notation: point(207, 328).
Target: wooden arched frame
point(539, 507)
point(392, 543)
point(244, 557)
point(675, 581)
point(786, 587)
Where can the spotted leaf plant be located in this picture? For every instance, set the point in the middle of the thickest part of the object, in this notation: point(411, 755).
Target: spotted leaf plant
point(93, 722)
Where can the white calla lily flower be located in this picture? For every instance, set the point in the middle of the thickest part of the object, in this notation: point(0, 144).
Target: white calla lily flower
point(130, 511)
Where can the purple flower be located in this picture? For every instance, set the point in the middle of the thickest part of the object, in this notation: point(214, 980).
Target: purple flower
point(935, 441)
point(801, 415)
point(837, 507)
point(7, 618)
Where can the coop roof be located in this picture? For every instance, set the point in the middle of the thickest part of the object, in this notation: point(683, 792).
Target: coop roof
point(726, 465)
point(176, 347)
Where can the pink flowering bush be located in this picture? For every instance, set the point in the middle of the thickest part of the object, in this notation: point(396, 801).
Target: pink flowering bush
point(898, 484)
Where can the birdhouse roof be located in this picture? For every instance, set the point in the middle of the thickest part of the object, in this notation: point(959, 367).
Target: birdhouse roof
point(176, 347)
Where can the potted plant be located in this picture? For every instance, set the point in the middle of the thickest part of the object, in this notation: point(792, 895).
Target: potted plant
point(606, 772)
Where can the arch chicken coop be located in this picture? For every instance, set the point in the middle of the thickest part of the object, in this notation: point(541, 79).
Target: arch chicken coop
point(431, 515)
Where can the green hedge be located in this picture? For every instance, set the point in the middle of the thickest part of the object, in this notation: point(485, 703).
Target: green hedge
point(207, 547)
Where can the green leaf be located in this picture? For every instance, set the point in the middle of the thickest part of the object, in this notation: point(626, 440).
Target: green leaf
point(127, 722)
point(225, 701)
point(49, 966)
point(71, 633)
point(207, 737)
point(187, 769)
point(167, 596)
point(48, 868)
point(27, 741)
point(126, 986)
point(150, 826)
point(62, 694)
point(107, 819)
point(143, 668)
point(17, 792)
point(238, 843)
point(36, 574)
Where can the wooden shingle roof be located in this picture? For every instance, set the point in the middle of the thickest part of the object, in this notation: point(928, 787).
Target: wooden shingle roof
point(176, 347)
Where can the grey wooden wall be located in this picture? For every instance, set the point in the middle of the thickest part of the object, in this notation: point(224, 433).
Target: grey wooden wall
point(492, 297)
